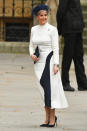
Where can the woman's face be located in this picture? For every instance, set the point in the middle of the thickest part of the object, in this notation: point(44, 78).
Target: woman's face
point(42, 17)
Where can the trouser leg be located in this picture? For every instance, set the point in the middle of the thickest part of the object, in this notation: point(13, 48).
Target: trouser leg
point(78, 61)
point(67, 57)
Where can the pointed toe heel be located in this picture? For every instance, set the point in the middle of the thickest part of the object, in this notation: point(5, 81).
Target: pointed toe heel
point(55, 123)
point(44, 125)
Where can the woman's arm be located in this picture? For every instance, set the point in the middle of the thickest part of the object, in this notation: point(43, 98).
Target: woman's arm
point(55, 47)
point(31, 48)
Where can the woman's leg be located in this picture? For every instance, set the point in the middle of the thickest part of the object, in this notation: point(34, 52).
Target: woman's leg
point(47, 110)
point(52, 116)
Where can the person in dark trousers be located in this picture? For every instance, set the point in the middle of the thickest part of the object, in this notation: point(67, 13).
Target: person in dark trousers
point(70, 25)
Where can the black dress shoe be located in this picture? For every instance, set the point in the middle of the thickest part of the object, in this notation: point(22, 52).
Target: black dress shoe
point(82, 88)
point(68, 88)
point(44, 125)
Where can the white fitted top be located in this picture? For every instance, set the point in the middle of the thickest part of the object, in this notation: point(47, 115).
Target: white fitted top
point(46, 38)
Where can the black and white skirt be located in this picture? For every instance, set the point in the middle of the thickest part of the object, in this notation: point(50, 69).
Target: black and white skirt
point(50, 85)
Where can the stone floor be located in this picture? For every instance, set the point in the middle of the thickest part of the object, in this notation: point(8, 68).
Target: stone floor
point(21, 106)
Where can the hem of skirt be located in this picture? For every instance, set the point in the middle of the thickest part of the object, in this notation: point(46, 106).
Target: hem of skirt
point(63, 107)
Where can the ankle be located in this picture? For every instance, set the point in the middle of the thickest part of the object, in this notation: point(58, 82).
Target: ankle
point(52, 121)
point(46, 121)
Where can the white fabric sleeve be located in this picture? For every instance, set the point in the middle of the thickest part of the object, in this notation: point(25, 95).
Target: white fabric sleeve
point(55, 45)
point(31, 47)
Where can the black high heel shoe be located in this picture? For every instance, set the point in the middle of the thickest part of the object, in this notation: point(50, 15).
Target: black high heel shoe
point(53, 125)
point(44, 125)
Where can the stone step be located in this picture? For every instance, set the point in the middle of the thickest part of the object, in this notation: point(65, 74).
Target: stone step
point(14, 47)
point(84, 8)
point(85, 29)
point(85, 15)
point(85, 21)
point(85, 49)
point(85, 32)
point(84, 40)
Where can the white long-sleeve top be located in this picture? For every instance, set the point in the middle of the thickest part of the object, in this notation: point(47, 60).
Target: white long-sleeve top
point(46, 38)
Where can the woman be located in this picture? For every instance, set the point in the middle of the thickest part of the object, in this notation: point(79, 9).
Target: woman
point(45, 37)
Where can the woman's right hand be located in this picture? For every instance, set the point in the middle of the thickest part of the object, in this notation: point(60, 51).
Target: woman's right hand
point(34, 58)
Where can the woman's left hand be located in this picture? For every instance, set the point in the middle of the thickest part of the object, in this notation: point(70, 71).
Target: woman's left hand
point(34, 58)
point(55, 69)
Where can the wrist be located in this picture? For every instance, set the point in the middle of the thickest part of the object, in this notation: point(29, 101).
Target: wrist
point(56, 65)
